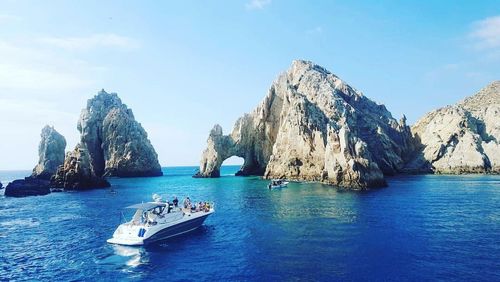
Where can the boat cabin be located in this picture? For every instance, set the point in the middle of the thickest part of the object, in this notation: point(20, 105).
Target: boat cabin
point(148, 212)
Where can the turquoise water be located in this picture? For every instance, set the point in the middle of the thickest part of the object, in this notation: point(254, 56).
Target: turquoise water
point(419, 228)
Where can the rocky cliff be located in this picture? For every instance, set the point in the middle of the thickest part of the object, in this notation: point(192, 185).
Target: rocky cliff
point(112, 143)
point(77, 172)
point(463, 138)
point(313, 126)
point(50, 153)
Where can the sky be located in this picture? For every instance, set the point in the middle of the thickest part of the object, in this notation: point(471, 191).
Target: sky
point(183, 66)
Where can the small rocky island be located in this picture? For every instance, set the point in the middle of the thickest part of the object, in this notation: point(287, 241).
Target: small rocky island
point(112, 144)
point(313, 126)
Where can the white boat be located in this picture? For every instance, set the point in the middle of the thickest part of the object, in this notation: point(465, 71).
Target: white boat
point(277, 183)
point(155, 221)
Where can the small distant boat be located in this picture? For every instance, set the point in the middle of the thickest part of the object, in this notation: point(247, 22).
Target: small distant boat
point(277, 183)
point(156, 221)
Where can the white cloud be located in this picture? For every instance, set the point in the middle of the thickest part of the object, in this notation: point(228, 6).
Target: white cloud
point(107, 40)
point(257, 4)
point(19, 77)
point(486, 33)
point(41, 83)
point(22, 119)
point(26, 66)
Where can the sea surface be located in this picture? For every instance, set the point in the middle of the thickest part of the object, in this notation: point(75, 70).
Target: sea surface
point(420, 228)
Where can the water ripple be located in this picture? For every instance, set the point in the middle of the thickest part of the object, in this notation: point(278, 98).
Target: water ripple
point(419, 228)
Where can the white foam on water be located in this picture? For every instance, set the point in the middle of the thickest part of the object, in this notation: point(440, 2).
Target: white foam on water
point(29, 222)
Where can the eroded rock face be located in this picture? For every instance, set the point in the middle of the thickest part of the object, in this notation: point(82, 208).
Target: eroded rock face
point(127, 150)
point(77, 172)
point(463, 138)
point(50, 153)
point(112, 143)
point(313, 126)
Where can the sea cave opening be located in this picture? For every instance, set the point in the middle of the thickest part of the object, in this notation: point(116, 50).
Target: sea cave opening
point(231, 165)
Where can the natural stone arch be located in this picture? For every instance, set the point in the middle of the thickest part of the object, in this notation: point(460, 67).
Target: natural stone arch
point(313, 126)
point(252, 139)
point(221, 147)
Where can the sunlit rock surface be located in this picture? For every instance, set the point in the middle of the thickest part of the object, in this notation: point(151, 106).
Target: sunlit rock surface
point(463, 138)
point(313, 126)
point(50, 153)
point(112, 143)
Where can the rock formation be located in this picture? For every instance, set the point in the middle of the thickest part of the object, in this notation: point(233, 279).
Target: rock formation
point(463, 138)
point(29, 186)
point(77, 172)
point(112, 143)
point(313, 126)
point(50, 153)
point(1, 185)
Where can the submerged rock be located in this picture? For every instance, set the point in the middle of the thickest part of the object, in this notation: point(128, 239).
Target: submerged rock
point(29, 186)
point(1, 185)
point(313, 126)
point(112, 143)
point(463, 138)
point(50, 153)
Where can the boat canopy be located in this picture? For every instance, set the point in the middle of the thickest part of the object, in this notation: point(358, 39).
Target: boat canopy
point(146, 206)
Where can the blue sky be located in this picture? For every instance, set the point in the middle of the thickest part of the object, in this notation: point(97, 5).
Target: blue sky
point(183, 66)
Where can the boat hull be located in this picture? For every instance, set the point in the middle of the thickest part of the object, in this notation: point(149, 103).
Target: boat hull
point(142, 235)
point(175, 230)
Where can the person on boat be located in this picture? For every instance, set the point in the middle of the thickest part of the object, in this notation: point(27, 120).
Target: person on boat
point(176, 202)
point(187, 203)
point(200, 207)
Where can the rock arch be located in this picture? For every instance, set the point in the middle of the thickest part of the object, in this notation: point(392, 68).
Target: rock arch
point(313, 126)
point(220, 147)
point(252, 139)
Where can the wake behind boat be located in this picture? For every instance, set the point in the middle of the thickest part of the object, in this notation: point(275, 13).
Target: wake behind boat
point(155, 221)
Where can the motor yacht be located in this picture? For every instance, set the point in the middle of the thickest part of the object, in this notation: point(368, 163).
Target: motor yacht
point(156, 221)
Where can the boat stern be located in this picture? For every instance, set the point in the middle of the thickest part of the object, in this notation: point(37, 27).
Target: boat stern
point(128, 235)
point(125, 241)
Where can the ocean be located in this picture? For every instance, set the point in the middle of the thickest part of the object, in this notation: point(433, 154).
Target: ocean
point(424, 227)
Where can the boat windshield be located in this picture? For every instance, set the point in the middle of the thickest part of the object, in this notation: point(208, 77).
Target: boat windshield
point(137, 218)
point(146, 206)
